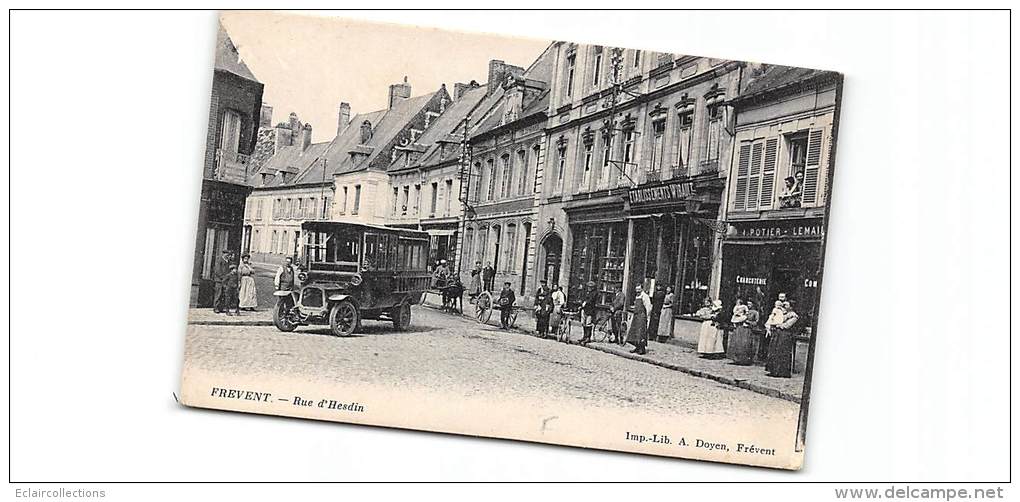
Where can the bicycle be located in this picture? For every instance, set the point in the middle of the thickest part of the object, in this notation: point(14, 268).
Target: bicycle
point(603, 329)
point(566, 321)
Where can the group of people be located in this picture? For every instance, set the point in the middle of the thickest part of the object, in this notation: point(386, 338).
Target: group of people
point(745, 345)
point(549, 303)
point(233, 285)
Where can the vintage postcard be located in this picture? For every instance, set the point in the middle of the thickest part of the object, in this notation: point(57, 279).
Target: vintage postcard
point(566, 243)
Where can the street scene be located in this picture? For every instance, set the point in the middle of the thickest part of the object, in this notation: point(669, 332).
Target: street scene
point(610, 226)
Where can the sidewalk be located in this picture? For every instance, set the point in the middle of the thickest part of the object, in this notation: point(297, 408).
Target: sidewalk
point(209, 318)
point(675, 356)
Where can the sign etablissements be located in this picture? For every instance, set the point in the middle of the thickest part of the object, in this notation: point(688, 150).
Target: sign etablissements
point(796, 229)
point(670, 192)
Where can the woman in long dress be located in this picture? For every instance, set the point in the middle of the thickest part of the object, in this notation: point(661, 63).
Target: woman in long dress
point(637, 334)
point(666, 316)
point(247, 296)
point(559, 300)
point(710, 343)
point(741, 347)
point(780, 359)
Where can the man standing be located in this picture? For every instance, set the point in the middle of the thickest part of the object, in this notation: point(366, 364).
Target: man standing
point(637, 334)
point(475, 285)
point(488, 275)
point(617, 310)
point(588, 309)
point(232, 286)
point(286, 276)
point(543, 307)
point(658, 298)
point(221, 268)
point(506, 305)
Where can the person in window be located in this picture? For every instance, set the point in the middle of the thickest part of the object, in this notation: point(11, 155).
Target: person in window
point(543, 307)
point(221, 267)
point(779, 362)
point(506, 301)
point(559, 300)
point(791, 193)
point(658, 298)
point(741, 346)
point(710, 341)
point(637, 334)
point(665, 330)
point(475, 284)
point(488, 275)
point(286, 276)
point(248, 297)
point(589, 303)
point(618, 309)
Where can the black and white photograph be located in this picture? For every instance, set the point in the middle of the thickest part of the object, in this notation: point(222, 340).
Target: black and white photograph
point(552, 232)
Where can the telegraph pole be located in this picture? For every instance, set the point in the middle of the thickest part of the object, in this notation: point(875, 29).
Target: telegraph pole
point(610, 124)
point(464, 175)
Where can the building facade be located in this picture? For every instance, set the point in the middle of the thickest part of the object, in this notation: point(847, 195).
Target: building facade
point(632, 188)
point(507, 146)
point(234, 113)
point(778, 190)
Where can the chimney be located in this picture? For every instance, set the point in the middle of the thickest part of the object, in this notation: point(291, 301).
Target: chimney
point(306, 137)
point(283, 135)
point(399, 92)
point(266, 117)
point(460, 88)
point(344, 118)
point(497, 71)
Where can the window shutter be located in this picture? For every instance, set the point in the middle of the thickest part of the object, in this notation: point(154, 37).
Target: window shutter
point(809, 192)
point(754, 176)
point(768, 173)
point(740, 195)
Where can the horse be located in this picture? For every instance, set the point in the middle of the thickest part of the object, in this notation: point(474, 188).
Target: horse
point(453, 293)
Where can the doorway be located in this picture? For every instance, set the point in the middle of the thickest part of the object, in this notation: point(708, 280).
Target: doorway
point(553, 248)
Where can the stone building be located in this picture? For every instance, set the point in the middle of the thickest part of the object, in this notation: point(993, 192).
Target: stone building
point(430, 166)
point(632, 188)
point(234, 112)
point(778, 190)
point(506, 140)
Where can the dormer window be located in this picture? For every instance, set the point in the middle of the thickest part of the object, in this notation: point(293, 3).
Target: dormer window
point(366, 132)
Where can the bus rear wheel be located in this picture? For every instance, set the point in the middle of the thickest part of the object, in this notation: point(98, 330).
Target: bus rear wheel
point(343, 318)
point(402, 316)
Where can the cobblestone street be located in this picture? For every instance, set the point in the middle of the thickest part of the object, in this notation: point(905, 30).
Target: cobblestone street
point(461, 356)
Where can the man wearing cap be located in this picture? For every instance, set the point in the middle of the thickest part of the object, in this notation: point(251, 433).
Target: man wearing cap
point(589, 302)
point(221, 267)
point(506, 305)
point(543, 307)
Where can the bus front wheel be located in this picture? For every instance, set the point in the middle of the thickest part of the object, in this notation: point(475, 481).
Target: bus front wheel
point(343, 318)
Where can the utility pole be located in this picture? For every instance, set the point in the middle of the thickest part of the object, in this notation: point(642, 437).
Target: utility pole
point(322, 189)
point(465, 176)
point(610, 124)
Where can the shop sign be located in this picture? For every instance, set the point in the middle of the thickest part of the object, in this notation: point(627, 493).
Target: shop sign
point(757, 281)
point(672, 192)
point(794, 229)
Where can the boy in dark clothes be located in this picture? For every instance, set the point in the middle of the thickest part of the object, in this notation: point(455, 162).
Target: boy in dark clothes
point(506, 305)
point(232, 283)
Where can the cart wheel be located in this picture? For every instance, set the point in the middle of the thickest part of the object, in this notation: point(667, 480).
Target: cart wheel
point(402, 316)
point(280, 318)
point(343, 318)
point(483, 307)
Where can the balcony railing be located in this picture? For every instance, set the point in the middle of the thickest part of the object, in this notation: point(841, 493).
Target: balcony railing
point(231, 166)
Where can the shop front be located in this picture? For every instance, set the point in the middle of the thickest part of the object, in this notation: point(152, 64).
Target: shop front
point(598, 248)
point(764, 259)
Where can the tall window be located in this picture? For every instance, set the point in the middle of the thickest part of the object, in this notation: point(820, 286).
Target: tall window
point(449, 197)
point(597, 72)
point(231, 133)
point(298, 208)
point(357, 199)
point(407, 199)
point(482, 244)
point(396, 199)
point(476, 182)
point(658, 131)
point(343, 206)
point(256, 242)
point(417, 199)
point(435, 199)
point(535, 154)
point(607, 153)
point(571, 63)
point(258, 210)
point(275, 242)
point(522, 182)
point(628, 153)
point(586, 172)
point(684, 126)
point(511, 247)
point(284, 242)
point(469, 241)
point(326, 204)
point(637, 58)
point(561, 167)
point(491, 172)
point(496, 246)
point(710, 154)
point(507, 178)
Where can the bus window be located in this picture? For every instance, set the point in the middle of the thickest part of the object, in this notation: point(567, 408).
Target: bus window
point(394, 264)
point(371, 260)
point(382, 249)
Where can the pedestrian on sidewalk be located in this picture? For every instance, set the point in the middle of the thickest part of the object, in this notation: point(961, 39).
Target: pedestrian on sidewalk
point(665, 331)
point(231, 285)
point(543, 307)
point(710, 341)
point(248, 297)
point(741, 346)
point(488, 276)
point(588, 310)
point(221, 267)
point(637, 335)
point(658, 298)
point(506, 301)
point(780, 359)
point(617, 310)
point(475, 284)
point(559, 300)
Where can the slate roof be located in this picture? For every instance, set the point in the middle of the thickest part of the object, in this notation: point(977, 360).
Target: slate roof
point(448, 127)
point(228, 59)
point(777, 76)
point(540, 70)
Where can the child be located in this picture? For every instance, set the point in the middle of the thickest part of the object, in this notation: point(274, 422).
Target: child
point(775, 318)
point(506, 305)
point(232, 284)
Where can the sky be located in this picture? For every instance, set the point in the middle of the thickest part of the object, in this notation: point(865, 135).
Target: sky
point(309, 64)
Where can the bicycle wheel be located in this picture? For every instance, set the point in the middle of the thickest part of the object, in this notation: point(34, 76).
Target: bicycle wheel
point(483, 307)
point(603, 328)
